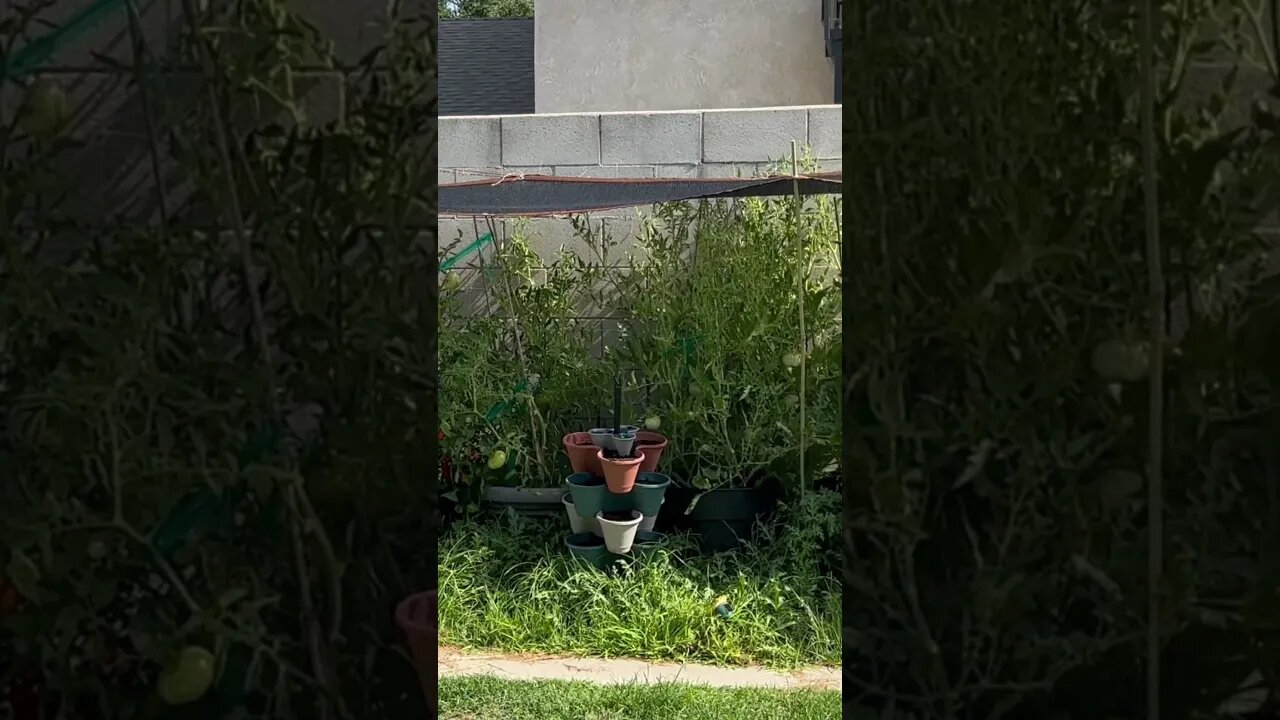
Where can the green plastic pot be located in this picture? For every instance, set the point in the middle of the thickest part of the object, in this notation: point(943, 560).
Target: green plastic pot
point(588, 547)
point(588, 492)
point(647, 541)
point(613, 502)
point(648, 492)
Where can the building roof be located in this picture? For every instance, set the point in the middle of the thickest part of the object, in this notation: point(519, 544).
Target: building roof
point(486, 66)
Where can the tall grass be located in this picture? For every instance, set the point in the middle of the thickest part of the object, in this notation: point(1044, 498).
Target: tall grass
point(512, 586)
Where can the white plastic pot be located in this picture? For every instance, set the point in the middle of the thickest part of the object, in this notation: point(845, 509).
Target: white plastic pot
point(619, 534)
point(577, 523)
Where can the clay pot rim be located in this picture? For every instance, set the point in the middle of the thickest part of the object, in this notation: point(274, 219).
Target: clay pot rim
point(577, 439)
point(621, 461)
point(649, 438)
point(410, 610)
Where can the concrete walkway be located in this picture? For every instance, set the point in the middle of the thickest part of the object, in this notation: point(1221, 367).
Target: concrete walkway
point(600, 670)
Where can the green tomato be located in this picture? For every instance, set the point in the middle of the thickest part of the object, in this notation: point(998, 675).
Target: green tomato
point(45, 112)
point(452, 281)
point(1120, 361)
point(497, 459)
point(791, 401)
point(791, 360)
point(97, 549)
point(187, 676)
point(652, 423)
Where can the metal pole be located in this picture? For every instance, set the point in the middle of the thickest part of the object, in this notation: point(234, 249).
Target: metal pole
point(1155, 385)
point(801, 272)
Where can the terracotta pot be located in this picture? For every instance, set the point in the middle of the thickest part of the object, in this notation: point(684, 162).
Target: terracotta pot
point(582, 453)
point(416, 615)
point(649, 445)
point(619, 474)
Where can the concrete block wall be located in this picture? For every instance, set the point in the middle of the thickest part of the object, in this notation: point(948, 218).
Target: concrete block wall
point(678, 143)
point(689, 144)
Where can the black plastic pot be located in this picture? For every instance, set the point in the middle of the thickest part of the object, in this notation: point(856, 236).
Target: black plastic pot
point(646, 542)
point(723, 518)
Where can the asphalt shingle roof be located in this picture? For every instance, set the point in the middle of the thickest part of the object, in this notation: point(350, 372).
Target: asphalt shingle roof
point(486, 66)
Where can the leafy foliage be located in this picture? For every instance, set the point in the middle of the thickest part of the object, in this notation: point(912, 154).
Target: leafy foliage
point(215, 425)
point(453, 9)
point(516, 366)
point(695, 330)
point(510, 585)
point(713, 310)
point(997, 540)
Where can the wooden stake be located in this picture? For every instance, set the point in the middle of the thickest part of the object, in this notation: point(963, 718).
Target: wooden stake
point(801, 271)
point(1155, 386)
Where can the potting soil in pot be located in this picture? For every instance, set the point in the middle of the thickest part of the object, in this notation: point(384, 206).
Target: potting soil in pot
point(620, 473)
point(587, 546)
point(582, 453)
point(588, 493)
point(649, 491)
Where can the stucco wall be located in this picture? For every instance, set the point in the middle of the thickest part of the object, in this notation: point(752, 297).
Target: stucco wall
point(607, 55)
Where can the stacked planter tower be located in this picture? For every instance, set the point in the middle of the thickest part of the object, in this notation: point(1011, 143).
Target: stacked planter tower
point(614, 493)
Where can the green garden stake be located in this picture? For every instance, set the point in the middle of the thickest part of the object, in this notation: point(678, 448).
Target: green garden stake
point(39, 51)
point(466, 252)
point(187, 516)
point(501, 408)
point(195, 510)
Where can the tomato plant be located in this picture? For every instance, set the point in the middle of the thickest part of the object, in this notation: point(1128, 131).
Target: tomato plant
point(714, 338)
point(204, 444)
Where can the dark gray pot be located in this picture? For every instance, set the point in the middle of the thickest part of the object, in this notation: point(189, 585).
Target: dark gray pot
point(528, 502)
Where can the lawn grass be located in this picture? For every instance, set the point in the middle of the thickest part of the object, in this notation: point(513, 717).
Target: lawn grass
point(510, 585)
point(484, 698)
